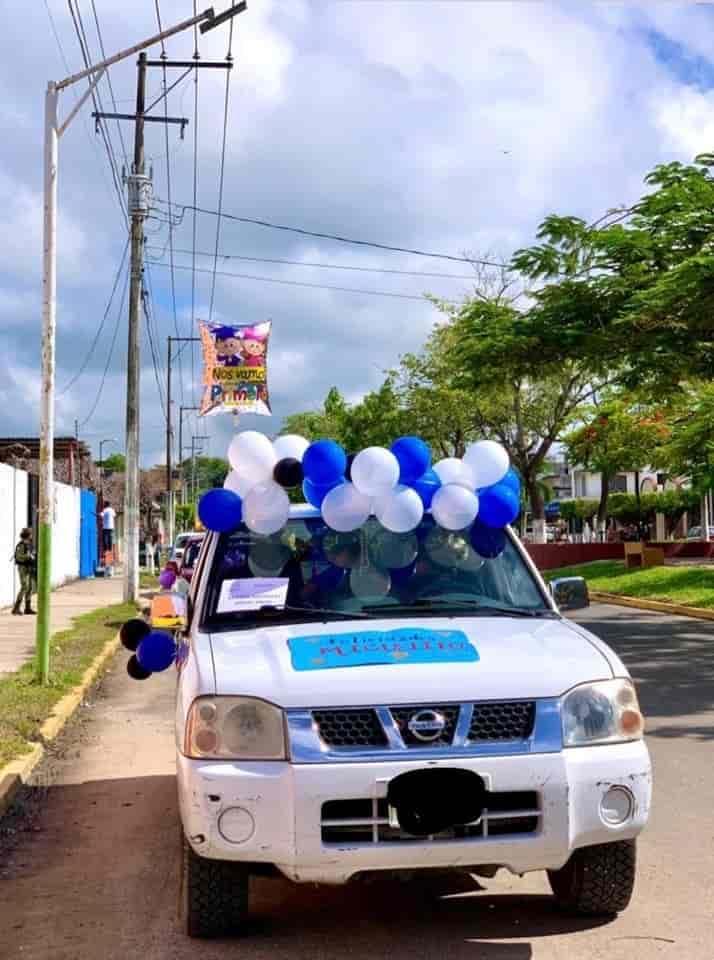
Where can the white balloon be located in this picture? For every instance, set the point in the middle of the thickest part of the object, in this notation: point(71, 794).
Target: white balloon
point(454, 507)
point(375, 470)
point(290, 445)
point(345, 509)
point(453, 470)
point(266, 509)
point(252, 457)
point(488, 460)
point(366, 582)
point(400, 510)
point(238, 484)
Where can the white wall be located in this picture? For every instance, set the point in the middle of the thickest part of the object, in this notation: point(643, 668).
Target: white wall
point(13, 517)
point(65, 534)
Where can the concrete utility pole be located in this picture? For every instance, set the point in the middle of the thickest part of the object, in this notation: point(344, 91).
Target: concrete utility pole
point(53, 131)
point(139, 201)
point(170, 498)
point(182, 410)
point(194, 451)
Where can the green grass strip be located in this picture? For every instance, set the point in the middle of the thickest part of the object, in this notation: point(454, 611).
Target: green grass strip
point(25, 704)
point(690, 586)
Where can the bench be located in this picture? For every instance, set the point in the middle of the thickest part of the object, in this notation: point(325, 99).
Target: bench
point(640, 555)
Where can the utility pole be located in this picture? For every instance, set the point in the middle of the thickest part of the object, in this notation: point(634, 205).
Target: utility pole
point(170, 498)
point(182, 409)
point(54, 130)
point(139, 189)
point(194, 490)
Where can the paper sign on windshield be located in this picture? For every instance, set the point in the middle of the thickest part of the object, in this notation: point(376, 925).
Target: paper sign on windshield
point(372, 647)
point(252, 593)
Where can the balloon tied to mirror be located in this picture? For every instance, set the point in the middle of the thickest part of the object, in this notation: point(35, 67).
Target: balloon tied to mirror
point(479, 492)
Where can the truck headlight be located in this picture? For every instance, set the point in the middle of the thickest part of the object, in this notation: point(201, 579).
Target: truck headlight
point(234, 728)
point(602, 712)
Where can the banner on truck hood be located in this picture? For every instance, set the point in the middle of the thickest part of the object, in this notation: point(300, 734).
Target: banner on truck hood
point(235, 368)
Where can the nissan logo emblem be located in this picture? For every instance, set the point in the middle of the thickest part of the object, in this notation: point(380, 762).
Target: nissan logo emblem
point(426, 725)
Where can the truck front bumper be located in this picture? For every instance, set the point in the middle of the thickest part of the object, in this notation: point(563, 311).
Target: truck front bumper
point(309, 820)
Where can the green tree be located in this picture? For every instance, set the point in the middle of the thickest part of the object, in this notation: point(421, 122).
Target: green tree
point(616, 436)
point(631, 294)
point(690, 450)
point(114, 464)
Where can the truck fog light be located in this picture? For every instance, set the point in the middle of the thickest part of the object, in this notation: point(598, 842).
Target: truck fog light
point(236, 825)
point(616, 806)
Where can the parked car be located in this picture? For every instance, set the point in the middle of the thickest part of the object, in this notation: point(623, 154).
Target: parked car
point(176, 552)
point(696, 533)
point(336, 720)
point(191, 551)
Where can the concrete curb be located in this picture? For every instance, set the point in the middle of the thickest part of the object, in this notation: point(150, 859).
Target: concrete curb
point(16, 773)
point(658, 606)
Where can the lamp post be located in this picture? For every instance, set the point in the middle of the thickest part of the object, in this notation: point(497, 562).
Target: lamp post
point(53, 131)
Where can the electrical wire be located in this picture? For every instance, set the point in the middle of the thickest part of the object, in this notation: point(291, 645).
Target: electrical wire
point(229, 58)
point(153, 348)
point(168, 183)
point(95, 341)
point(183, 207)
point(300, 283)
point(325, 266)
point(109, 83)
point(111, 352)
point(98, 108)
point(196, 56)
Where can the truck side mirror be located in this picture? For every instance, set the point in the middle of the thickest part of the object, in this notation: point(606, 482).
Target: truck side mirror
point(570, 593)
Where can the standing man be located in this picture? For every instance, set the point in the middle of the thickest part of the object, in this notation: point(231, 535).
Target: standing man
point(26, 562)
point(108, 521)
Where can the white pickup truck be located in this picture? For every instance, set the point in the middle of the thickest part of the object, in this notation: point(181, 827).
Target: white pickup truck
point(353, 703)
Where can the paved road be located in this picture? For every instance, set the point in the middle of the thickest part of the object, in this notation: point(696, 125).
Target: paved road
point(92, 870)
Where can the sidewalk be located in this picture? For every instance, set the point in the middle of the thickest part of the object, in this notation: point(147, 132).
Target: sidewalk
point(17, 634)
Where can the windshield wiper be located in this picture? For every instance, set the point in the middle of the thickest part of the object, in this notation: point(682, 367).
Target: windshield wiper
point(319, 611)
point(437, 603)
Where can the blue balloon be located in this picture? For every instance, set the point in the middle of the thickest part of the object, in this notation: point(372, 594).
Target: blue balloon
point(426, 486)
point(486, 541)
point(157, 651)
point(414, 458)
point(324, 461)
point(220, 510)
point(498, 506)
point(512, 480)
point(315, 493)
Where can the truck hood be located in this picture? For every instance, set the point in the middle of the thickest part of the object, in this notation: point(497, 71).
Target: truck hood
point(518, 658)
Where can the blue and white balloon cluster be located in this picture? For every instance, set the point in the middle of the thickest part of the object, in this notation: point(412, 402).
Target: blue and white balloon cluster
point(396, 485)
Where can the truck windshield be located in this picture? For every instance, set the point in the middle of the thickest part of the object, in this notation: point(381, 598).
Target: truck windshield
point(308, 571)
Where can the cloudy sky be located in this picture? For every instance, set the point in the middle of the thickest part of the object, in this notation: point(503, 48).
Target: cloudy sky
point(440, 126)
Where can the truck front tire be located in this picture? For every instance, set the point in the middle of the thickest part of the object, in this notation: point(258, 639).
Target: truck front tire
point(215, 896)
point(598, 880)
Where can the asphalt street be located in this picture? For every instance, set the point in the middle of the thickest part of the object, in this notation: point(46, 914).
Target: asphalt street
point(89, 868)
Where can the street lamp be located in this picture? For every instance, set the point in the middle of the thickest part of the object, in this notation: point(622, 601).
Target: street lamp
point(53, 131)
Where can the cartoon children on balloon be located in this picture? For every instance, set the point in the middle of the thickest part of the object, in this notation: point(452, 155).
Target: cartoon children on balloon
point(229, 347)
point(254, 348)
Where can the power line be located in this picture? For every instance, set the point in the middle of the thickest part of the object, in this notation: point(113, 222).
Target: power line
point(93, 345)
point(111, 353)
point(196, 56)
point(300, 283)
point(153, 349)
point(229, 58)
point(168, 183)
point(109, 81)
point(325, 266)
point(98, 107)
point(183, 207)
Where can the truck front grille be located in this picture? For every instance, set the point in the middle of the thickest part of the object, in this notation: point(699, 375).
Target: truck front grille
point(367, 821)
point(510, 720)
point(490, 722)
point(350, 728)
